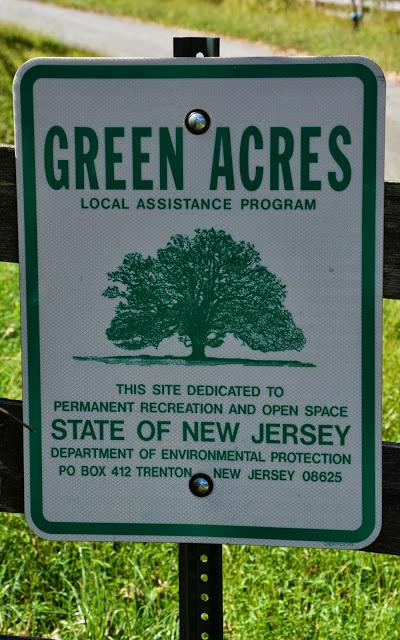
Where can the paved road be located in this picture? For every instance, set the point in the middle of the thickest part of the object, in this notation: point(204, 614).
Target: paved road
point(125, 37)
point(108, 34)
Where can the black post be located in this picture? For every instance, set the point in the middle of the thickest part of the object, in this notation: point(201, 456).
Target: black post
point(200, 565)
point(190, 47)
point(200, 592)
point(357, 14)
point(19, 638)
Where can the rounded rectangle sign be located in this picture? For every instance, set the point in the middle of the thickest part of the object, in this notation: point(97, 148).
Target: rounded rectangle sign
point(201, 259)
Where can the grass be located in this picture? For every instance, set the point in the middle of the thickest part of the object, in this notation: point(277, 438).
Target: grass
point(17, 46)
point(106, 591)
point(91, 591)
point(286, 24)
point(10, 332)
point(391, 370)
point(98, 591)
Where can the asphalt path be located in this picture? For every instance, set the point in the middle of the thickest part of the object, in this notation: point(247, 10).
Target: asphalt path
point(114, 36)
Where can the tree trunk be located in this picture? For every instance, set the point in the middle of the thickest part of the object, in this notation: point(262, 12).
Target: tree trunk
point(198, 351)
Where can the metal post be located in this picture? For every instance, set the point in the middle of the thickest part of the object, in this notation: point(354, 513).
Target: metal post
point(200, 592)
point(357, 12)
point(190, 47)
point(200, 565)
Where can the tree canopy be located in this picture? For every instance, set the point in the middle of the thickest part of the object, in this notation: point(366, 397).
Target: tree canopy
point(200, 289)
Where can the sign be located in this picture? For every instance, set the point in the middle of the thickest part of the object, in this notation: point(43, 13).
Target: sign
point(201, 255)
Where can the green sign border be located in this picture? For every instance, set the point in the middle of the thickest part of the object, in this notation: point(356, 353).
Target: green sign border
point(140, 70)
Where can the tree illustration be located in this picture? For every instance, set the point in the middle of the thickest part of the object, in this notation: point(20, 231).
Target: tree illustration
point(200, 289)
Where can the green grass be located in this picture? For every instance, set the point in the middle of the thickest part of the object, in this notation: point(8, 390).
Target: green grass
point(286, 24)
point(10, 332)
point(17, 46)
point(105, 591)
point(88, 591)
point(391, 370)
point(98, 591)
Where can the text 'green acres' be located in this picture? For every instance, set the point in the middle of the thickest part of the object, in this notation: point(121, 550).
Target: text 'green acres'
point(146, 158)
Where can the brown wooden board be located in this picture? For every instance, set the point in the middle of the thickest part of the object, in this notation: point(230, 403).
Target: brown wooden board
point(8, 205)
point(391, 264)
point(12, 485)
point(11, 462)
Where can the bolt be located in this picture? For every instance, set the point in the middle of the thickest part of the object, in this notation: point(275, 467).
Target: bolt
point(201, 485)
point(197, 121)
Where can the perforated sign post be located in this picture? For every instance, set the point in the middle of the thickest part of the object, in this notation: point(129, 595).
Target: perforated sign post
point(201, 255)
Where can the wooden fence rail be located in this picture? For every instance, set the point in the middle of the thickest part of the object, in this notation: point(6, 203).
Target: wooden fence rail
point(11, 469)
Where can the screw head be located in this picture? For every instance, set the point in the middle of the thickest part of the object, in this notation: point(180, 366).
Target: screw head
point(197, 121)
point(201, 485)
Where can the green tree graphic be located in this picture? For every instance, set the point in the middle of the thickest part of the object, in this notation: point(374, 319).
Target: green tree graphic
point(200, 289)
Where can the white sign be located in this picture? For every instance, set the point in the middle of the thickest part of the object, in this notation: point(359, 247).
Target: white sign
point(201, 255)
